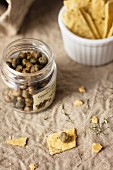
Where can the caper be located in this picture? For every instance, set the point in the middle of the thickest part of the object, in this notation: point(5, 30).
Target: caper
point(19, 68)
point(36, 54)
point(64, 137)
point(28, 101)
point(31, 89)
point(25, 94)
point(23, 87)
point(9, 64)
point(24, 62)
point(26, 70)
point(34, 68)
point(22, 55)
point(28, 64)
point(33, 60)
point(20, 99)
point(10, 60)
point(17, 92)
point(29, 55)
point(20, 105)
point(43, 60)
point(16, 62)
point(27, 108)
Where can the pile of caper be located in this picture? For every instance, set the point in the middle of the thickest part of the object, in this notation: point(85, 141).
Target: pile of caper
point(28, 62)
point(21, 98)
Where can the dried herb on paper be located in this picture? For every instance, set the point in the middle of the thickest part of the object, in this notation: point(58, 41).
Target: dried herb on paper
point(66, 114)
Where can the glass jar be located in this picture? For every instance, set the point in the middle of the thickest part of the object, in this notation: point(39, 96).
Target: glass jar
point(28, 92)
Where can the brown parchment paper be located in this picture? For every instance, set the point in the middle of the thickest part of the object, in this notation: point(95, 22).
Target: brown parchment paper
point(41, 23)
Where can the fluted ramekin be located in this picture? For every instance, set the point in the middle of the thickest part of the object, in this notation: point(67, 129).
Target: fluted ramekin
point(86, 51)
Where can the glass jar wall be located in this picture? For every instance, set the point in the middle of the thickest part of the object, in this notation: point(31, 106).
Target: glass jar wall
point(28, 92)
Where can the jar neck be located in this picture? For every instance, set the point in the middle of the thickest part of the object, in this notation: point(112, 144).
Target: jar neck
point(13, 76)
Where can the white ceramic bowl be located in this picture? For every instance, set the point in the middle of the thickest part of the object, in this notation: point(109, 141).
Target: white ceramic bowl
point(86, 51)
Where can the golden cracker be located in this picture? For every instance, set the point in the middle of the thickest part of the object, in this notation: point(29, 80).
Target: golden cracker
point(108, 17)
point(75, 21)
point(57, 146)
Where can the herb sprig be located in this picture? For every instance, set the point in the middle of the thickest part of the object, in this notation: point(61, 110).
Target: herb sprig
point(66, 114)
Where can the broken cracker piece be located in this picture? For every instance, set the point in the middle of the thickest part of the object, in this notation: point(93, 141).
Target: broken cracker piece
point(95, 120)
point(110, 34)
point(90, 22)
point(82, 89)
point(18, 142)
point(33, 166)
point(74, 21)
point(96, 147)
point(57, 146)
point(109, 17)
point(97, 12)
point(78, 103)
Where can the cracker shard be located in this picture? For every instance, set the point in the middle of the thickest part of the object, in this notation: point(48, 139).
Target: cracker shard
point(110, 34)
point(18, 142)
point(91, 24)
point(78, 103)
point(108, 17)
point(95, 120)
point(74, 20)
point(57, 146)
point(71, 4)
point(33, 166)
point(82, 89)
point(97, 11)
point(96, 147)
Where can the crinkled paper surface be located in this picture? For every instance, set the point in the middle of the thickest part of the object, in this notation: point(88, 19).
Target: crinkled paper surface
point(41, 23)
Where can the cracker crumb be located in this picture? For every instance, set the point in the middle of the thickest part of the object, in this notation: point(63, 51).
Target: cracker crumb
point(33, 166)
point(18, 142)
point(82, 89)
point(78, 103)
point(96, 147)
point(95, 120)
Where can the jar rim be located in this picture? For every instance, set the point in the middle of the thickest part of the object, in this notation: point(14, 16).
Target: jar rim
point(27, 74)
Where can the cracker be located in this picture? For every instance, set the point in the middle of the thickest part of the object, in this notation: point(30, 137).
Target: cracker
point(18, 142)
point(95, 120)
point(72, 4)
point(108, 17)
point(91, 24)
point(110, 34)
point(57, 146)
point(97, 11)
point(33, 166)
point(96, 147)
point(82, 89)
point(78, 102)
point(75, 21)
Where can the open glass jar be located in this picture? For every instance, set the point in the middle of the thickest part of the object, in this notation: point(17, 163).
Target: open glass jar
point(28, 92)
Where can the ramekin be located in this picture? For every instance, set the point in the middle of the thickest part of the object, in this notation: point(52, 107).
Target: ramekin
point(86, 51)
